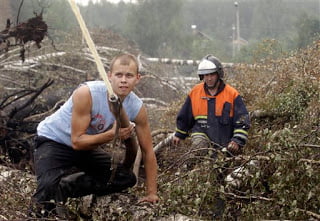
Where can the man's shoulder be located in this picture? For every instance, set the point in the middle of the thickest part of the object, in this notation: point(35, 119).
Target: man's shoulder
point(231, 90)
point(197, 87)
point(95, 83)
point(133, 98)
point(132, 104)
point(96, 86)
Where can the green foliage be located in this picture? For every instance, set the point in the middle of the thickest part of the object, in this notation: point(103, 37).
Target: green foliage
point(199, 47)
point(292, 181)
point(271, 20)
point(162, 27)
point(27, 9)
point(263, 50)
point(308, 29)
point(60, 17)
point(106, 15)
point(293, 101)
point(193, 193)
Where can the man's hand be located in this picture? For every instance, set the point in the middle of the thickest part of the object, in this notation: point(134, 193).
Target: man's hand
point(175, 140)
point(233, 148)
point(124, 132)
point(150, 198)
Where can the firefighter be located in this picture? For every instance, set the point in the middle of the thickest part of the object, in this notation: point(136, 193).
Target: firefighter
point(214, 112)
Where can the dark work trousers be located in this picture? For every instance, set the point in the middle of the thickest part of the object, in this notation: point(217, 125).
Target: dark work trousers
point(63, 172)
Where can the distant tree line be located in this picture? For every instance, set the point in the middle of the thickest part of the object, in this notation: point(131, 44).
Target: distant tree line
point(164, 28)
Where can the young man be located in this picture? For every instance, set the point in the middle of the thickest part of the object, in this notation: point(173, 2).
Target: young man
point(213, 112)
point(67, 157)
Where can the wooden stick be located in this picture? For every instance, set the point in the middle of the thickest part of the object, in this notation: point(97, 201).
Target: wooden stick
point(115, 104)
point(91, 46)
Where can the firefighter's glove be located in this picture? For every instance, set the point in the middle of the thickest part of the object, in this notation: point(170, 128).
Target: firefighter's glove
point(233, 148)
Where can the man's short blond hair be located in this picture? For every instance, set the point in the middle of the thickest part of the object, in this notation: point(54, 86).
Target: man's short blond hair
point(125, 59)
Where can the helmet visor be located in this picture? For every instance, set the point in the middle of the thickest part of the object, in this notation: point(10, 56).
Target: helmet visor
point(208, 71)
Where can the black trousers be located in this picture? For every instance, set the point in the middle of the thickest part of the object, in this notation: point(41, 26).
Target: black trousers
point(63, 172)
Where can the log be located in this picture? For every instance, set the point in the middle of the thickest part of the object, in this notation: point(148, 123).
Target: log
point(163, 143)
point(137, 164)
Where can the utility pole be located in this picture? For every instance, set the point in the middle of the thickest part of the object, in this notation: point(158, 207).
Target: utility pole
point(238, 25)
point(233, 40)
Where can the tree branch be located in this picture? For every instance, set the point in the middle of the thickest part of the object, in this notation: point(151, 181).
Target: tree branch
point(309, 161)
point(38, 92)
point(310, 145)
point(314, 215)
point(247, 197)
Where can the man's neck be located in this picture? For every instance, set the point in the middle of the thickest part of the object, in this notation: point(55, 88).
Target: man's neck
point(213, 91)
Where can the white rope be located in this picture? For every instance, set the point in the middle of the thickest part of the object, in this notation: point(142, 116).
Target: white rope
point(92, 47)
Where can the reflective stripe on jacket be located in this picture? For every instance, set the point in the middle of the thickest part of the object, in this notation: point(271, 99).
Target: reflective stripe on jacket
point(221, 118)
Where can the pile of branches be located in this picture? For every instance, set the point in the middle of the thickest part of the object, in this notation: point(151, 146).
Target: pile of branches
point(276, 176)
point(33, 30)
point(18, 122)
point(17, 103)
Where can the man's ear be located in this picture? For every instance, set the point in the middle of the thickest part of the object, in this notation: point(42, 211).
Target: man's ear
point(138, 77)
point(109, 74)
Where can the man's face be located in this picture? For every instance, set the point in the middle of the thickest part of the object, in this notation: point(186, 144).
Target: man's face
point(123, 78)
point(210, 79)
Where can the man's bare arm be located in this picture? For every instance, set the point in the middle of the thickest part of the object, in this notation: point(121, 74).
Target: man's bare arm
point(148, 155)
point(81, 117)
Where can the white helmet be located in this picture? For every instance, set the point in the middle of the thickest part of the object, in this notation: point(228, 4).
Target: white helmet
point(210, 64)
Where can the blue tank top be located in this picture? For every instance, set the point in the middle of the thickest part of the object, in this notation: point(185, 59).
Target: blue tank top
point(57, 126)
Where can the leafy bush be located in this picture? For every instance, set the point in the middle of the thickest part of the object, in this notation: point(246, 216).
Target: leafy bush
point(281, 158)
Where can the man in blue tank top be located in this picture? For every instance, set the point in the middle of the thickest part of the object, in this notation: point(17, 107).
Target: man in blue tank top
point(67, 158)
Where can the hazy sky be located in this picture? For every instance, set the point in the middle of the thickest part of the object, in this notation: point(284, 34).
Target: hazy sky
point(85, 2)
